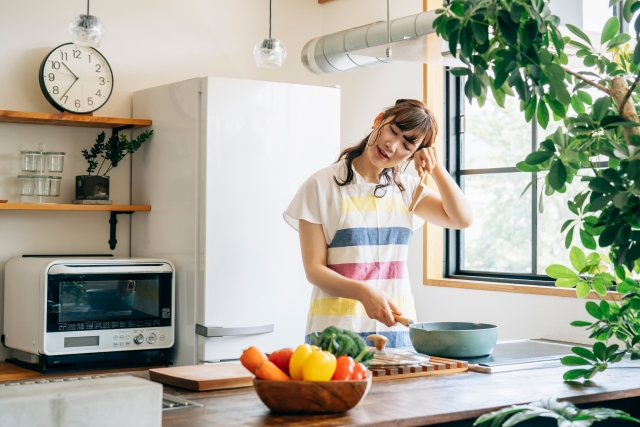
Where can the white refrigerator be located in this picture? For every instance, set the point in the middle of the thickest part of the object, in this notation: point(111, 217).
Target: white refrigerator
point(226, 158)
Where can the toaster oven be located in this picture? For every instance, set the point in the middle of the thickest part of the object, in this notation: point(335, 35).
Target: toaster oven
point(92, 312)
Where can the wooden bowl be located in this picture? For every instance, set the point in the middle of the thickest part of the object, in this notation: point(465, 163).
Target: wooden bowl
point(311, 397)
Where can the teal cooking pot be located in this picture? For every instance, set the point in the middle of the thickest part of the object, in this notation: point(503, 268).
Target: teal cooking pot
point(453, 339)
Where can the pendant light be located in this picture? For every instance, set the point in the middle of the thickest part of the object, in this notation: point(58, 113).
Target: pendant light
point(86, 30)
point(269, 53)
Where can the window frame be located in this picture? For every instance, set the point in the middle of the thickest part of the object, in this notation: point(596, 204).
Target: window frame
point(454, 106)
point(454, 116)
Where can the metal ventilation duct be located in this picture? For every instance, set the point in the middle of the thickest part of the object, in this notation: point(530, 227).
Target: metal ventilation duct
point(336, 53)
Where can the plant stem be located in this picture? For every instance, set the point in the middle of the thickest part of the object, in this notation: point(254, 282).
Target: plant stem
point(103, 160)
point(586, 80)
point(626, 110)
point(631, 89)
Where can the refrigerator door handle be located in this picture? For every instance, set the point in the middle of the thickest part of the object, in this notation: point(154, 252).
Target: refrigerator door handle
point(218, 331)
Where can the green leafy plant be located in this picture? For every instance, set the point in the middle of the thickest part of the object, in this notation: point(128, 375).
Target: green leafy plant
point(113, 151)
point(618, 318)
point(515, 48)
point(566, 413)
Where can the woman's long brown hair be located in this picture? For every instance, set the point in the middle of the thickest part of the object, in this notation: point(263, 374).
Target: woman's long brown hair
point(408, 115)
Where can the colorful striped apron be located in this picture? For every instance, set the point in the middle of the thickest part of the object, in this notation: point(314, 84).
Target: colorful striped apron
point(370, 246)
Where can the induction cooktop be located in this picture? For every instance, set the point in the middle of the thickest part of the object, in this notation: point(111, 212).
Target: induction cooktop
point(521, 354)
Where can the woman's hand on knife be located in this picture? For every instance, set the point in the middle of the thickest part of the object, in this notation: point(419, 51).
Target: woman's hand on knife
point(379, 306)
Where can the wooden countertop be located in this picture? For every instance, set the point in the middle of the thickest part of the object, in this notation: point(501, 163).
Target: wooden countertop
point(400, 403)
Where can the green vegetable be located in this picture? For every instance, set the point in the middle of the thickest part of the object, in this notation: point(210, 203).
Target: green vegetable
point(342, 342)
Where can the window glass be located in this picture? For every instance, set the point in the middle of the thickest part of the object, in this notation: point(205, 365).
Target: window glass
point(500, 238)
point(495, 137)
point(551, 248)
point(594, 15)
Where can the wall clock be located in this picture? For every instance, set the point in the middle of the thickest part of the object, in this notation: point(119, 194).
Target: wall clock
point(76, 79)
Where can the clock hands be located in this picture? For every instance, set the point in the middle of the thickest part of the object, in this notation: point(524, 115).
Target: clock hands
point(74, 82)
point(65, 66)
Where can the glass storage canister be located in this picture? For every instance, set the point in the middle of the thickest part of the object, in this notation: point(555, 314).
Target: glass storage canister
point(31, 161)
point(26, 185)
point(54, 185)
point(41, 186)
point(55, 161)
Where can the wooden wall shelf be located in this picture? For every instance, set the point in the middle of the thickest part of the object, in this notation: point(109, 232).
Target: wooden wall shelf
point(68, 119)
point(71, 207)
point(115, 210)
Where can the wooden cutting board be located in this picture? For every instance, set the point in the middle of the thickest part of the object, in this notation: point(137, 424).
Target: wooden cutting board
point(435, 366)
point(213, 376)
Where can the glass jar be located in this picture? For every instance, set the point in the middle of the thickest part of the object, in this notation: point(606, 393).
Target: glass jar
point(31, 161)
point(41, 186)
point(54, 185)
point(26, 185)
point(55, 161)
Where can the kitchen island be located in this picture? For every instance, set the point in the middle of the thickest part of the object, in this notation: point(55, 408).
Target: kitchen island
point(410, 402)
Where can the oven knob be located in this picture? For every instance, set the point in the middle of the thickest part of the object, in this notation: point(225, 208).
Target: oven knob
point(138, 339)
point(151, 338)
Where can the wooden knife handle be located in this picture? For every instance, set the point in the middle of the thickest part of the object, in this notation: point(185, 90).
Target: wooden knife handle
point(418, 193)
point(403, 320)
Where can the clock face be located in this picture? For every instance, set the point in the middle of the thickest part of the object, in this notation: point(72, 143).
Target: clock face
point(76, 79)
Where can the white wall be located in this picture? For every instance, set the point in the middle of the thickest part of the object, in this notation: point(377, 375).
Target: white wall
point(366, 91)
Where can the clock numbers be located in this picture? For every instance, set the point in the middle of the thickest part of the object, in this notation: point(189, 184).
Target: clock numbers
point(89, 101)
point(77, 103)
point(64, 99)
point(98, 67)
point(55, 65)
point(89, 56)
point(56, 90)
point(63, 56)
point(52, 77)
point(99, 93)
point(76, 54)
point(102, 81)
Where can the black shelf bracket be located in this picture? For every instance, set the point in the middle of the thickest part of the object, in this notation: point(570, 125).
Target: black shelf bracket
point(112, 227)
point(114, 215)
point(117, 130)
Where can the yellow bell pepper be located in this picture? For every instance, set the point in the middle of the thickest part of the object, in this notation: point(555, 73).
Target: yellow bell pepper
point(297, 360)
point(319, 366)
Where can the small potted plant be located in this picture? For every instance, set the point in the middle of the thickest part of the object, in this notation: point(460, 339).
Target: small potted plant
point(95, 188)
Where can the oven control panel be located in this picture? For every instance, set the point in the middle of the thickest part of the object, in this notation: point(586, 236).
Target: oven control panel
point(108, 340)
point(136, 338)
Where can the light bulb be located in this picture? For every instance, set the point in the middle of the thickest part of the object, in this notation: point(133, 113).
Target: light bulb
point(269, 53)
point(86, 30)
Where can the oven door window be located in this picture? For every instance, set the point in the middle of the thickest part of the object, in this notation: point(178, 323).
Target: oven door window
point(108, 301)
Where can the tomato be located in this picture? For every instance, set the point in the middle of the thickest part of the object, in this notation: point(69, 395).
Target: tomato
point(359, 372)
point(344, 368)
point(281, 359)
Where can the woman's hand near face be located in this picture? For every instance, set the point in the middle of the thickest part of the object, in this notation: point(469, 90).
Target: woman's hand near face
point(450, 208)
point(425, 160)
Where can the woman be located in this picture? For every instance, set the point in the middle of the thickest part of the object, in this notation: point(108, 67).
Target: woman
point(355, 225)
